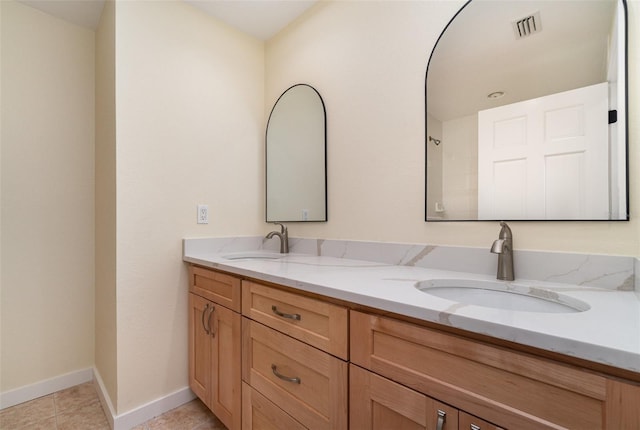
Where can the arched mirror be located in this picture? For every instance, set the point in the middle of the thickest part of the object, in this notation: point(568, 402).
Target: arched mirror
point(296, 144)
point(526, 113)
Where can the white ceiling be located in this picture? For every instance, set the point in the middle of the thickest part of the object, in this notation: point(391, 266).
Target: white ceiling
point(259, 18)
point(82, 12)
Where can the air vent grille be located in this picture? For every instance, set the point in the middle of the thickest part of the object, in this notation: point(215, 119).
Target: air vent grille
point(527, 26)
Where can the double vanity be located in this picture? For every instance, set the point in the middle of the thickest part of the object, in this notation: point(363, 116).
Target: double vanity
point(312, 340)
point(323, 334)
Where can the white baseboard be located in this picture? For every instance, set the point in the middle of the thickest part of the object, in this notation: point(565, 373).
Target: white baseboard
point(105, 400)
point(44, 388)
point(124, 421)
point(142, 413)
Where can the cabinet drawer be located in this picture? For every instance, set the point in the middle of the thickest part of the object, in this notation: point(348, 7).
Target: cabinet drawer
point(262, 414)
point(513, 389)
point(308, 384)
point(469, 422)
point(218, 287)
point(323, 325)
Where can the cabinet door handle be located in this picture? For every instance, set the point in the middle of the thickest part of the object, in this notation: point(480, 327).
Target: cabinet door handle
point(213, 309)
point(442, 417)
point(274, 369)
point(275, 310)
point(204, 312)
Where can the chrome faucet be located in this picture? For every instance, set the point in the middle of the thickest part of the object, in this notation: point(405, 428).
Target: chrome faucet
point(503, 246)
point(283, 235)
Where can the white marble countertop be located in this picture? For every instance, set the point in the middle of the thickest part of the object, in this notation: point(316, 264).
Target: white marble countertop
point(607, 333)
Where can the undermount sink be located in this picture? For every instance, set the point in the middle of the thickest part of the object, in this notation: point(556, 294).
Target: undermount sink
point(502, 295)
point(253, 255)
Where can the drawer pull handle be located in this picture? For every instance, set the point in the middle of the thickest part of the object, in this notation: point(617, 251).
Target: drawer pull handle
point(275, 310)
point(274, 369)
point(213, 332)
point(204, 312)
point(474, 427)
point(442, 417)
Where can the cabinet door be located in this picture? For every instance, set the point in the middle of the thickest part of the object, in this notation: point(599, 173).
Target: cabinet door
point(215, 357)
point(199, 348)
point(380, 404)
point(226, 342)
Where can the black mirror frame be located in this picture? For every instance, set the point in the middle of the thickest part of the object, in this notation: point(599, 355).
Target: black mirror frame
point(626, 116)
point(266, 161)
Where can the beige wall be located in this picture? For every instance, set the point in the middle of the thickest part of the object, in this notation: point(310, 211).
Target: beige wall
point(189, 129)
point(368, 61)
point(47, 313)
point(179, 103)
point(105, 207)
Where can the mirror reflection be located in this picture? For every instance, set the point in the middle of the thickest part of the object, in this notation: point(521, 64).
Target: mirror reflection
point(526, 113)
point(296, 157)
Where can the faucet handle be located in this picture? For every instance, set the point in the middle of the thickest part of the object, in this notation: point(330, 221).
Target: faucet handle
point(505, 231)
point(283, 228)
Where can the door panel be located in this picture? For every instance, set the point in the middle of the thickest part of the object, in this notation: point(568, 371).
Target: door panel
point(199, 349)
point(226, 396)
point(545, 158)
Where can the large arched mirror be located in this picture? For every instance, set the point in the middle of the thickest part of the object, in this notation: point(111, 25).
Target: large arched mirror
point(526, 112)
point(296, 157)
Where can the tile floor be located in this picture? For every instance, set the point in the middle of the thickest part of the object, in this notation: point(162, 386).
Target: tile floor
point(78, 408)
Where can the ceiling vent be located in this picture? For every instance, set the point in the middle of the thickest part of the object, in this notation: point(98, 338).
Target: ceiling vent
point(527, 26)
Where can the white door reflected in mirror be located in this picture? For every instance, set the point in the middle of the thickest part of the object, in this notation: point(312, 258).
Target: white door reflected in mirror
point(544, 158)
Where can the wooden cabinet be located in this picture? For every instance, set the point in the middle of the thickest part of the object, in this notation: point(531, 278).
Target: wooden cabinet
point(284, 364)
point(512, 389)
point(286, 359)
point(215, 343)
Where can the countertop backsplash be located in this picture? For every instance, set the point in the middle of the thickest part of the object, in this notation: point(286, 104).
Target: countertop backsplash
point(590, 270)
